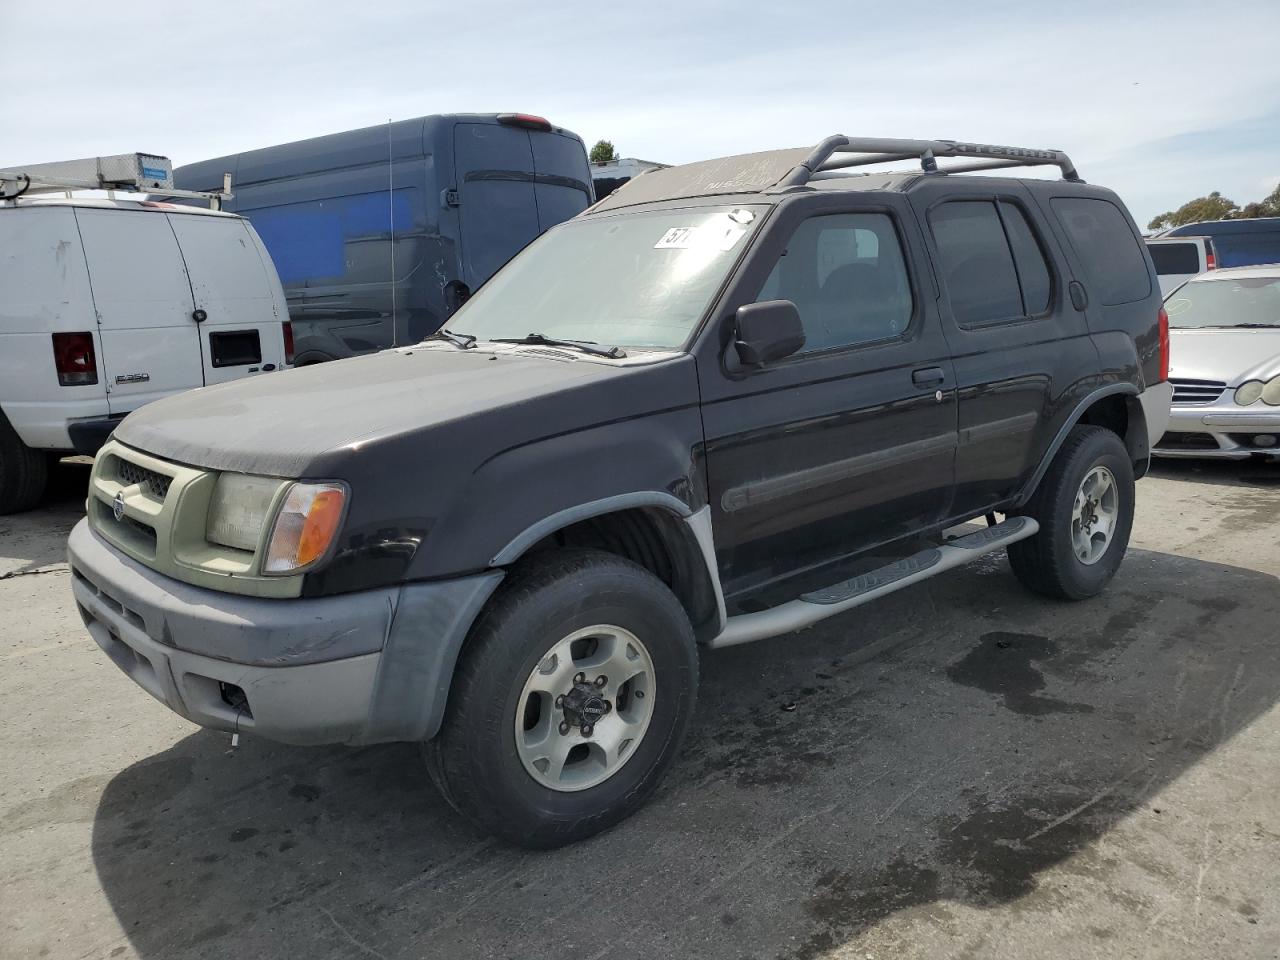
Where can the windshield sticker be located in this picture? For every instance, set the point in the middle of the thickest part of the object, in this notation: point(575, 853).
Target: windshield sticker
point(719, 235)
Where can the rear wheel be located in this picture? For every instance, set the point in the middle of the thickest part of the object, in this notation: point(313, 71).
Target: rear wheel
point(23, 472)
point(570, 701)
point(1084, 506)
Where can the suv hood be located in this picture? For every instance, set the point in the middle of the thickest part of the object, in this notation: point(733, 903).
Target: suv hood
point(1232, 356)
point(309, 421)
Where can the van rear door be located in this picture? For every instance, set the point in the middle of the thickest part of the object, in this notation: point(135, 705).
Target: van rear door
point(150, 344)
point(240, 330)
point(562, 179)
point(498, 211)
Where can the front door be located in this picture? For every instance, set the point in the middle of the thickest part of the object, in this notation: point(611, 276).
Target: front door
point(150, 344)
point(232, 291)
point(849, 443)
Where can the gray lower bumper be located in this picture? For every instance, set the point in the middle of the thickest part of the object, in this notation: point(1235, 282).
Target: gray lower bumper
point(357, 668)
point(1221, 430)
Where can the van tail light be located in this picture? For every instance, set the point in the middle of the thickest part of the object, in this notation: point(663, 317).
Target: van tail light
point(1164, 346)
point(74, 359)
point(526, 120)
point(1210, 259)
point(288, 341)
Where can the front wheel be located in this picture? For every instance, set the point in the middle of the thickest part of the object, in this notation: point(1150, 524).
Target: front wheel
point(570, 700)
point(1084, 506)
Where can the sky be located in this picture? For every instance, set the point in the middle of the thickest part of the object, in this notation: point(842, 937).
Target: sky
point(1161, 101)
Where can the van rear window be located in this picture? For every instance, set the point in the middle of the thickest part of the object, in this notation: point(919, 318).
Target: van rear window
point(1175, 258)
point(1108, 247)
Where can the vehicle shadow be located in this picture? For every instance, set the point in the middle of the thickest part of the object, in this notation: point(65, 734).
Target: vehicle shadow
point(38, 538)
point(947, 745)
point(1246, 473)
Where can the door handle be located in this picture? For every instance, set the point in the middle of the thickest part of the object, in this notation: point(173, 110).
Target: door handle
point(927, 376)
point(199, 316)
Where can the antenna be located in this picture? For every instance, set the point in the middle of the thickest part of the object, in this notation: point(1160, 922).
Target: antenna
point(391, 202)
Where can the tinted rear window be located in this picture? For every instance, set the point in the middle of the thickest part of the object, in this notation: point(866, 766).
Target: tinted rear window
point(1247, 249)
point(1175, 258)
point(976, 262)
point(1108, 248)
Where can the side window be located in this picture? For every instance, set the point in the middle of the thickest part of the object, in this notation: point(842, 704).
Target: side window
point(1028, 257)
point(1107, 247)
point(847, 276)
point(977, 265)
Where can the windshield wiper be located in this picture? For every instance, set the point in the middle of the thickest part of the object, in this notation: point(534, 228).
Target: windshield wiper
point(463, 341)
point(586, 346)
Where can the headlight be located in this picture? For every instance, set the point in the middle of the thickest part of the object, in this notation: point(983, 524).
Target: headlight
point(1271, 392)
point(305, 527)
point(1249, 392)
point(239, 510)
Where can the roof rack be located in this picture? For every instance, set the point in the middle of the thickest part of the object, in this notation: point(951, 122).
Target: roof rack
point(840, 152)
point(126, 172)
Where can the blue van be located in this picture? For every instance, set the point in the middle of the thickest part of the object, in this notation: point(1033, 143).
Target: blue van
point(1237, 243)
point(380, 234)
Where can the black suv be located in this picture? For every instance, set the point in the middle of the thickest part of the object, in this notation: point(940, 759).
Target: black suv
point(729, 400)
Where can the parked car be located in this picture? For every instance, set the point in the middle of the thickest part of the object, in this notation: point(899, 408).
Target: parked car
point(1225, 366)
point(380, 234)
point(1177, 261)
point(1237, 243)
point(608, 175)
point(106, 305)
point(728, 402)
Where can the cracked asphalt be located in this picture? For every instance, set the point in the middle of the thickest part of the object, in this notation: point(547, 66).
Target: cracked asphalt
point(961, 770)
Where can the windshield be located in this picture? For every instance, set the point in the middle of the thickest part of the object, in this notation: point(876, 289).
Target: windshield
point(1228, 302)
point(634, 280)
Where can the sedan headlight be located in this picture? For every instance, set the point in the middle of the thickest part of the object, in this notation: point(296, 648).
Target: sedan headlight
point(1253, 390)
point(305, 527)
point(300, 531)
point(1271, 392)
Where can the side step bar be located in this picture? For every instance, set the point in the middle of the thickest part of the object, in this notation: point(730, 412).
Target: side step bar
point(829, 601)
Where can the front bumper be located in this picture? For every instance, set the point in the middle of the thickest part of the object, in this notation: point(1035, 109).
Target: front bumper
point(357, 668)
point(1222, 430)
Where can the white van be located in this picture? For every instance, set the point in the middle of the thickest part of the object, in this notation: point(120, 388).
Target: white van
point(106, 305)
point(1178, 259)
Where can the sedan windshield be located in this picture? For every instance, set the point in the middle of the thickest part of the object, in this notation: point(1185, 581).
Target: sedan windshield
point(633, 280)
point(1226, 302)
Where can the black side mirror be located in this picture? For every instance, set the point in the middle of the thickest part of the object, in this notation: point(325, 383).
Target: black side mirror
point(768, 331)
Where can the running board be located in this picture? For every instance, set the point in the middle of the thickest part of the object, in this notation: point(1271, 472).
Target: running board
point(829, 601)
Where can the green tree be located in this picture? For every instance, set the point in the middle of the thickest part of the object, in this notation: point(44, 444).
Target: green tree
point(1268, 206)
point(1213, 207)
point(603, 152)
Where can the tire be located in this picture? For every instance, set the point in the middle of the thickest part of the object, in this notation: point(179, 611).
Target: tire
point(24, 472)
point(476, 760)
point(1050, 562)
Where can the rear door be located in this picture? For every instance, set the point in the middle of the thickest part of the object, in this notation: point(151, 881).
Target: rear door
point(150, 343)
point(1018, 344)
point(562, 179)
point(497, 201)
point(231, 290)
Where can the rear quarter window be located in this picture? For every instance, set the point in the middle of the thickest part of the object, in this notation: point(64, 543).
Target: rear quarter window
point(1107, 246)
point(1175, 258)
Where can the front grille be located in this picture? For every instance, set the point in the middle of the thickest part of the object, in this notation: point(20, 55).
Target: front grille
point(1187, 441)
point(128, 473)
point(1197, 391)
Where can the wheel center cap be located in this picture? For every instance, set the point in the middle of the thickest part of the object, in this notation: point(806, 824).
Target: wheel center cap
point(583, 706)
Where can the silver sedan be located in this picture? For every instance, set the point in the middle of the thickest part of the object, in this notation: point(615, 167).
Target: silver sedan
point(1224, 331)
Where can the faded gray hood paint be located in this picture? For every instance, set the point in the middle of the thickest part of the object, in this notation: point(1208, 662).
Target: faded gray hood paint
point(281, 424)
point(1232, 356)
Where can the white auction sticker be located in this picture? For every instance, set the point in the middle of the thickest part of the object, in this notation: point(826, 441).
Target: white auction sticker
point(719, 235)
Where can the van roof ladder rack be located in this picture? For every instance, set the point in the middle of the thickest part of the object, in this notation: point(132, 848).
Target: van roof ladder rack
point(126, 172)
point(840, 152)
